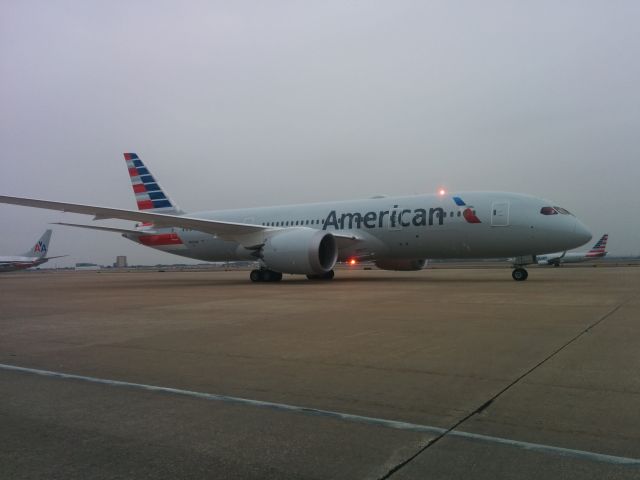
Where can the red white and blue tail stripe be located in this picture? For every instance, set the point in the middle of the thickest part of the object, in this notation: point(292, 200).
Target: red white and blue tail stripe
point(599, 249)
point(149, 195)
point(151, 198)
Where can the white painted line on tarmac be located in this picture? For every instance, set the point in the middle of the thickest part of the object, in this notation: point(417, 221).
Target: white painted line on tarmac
point(413, 427)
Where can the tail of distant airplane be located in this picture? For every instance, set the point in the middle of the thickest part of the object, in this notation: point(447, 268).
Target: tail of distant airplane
point(149, 195)
point(598, 249)
point(41, 247)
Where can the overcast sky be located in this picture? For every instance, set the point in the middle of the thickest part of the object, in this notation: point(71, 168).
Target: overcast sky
point(245, 103)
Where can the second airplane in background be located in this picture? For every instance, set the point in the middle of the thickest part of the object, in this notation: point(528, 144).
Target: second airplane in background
point(34, 257)
point(556, 259)
point(397, 233)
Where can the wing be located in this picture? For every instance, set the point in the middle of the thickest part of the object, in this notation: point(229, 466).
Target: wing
point(229, 230)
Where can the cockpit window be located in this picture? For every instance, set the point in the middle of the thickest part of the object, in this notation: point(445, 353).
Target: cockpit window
point(548, 211)
point(563, 211)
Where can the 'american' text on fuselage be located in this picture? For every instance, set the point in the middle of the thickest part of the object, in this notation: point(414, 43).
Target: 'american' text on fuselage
point(419, 217)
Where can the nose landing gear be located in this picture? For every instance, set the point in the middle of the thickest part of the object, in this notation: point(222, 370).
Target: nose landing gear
point(519, 274)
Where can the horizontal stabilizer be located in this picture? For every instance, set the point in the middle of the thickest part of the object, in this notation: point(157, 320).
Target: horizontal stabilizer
point(108, 229)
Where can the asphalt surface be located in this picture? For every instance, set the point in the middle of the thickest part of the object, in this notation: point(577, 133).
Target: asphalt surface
point(433, 374)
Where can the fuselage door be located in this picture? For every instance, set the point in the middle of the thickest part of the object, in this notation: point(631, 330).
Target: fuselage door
point(500, 214)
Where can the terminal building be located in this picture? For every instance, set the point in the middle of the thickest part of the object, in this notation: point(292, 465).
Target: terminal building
point(87, 266)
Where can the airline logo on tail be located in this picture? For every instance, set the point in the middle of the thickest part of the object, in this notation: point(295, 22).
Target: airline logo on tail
point(599, 249)
point(40, 247)
point(151, 198)
point(149, 195)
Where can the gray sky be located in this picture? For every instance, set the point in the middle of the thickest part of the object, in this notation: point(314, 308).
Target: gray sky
point(244, 103)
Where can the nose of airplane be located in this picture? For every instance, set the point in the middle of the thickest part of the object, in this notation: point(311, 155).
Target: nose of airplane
point(581, 233)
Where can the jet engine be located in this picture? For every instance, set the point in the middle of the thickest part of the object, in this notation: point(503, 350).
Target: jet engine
point(402, 264)
point(300, 250)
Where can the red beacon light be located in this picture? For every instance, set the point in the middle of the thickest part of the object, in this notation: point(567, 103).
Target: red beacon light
point(441, 191)
point(352, 261)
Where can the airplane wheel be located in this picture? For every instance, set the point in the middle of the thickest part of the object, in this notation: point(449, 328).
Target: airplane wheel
point(323, 276)
point(264, 275)
point(519, 274)
point(255, 276)
point(271, 276)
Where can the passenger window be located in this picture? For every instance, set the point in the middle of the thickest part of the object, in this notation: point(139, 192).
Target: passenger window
point(548, 211)
point(459, 213)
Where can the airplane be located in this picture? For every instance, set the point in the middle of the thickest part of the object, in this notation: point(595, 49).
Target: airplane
point(397, 233)
point(34, 257)
point(556, 259)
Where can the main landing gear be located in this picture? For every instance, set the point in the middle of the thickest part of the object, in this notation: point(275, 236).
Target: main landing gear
point(519, 274)
point(323, 276)
point(265, 275)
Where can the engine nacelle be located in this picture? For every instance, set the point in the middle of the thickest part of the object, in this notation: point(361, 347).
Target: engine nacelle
point(402, 264)
point(300, 250)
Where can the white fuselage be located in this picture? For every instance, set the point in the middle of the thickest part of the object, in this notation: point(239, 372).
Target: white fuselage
point(410, 227)
point(10, 264)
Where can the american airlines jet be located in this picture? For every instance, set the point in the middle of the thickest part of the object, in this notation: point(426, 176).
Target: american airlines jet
point(34, 257)
point(397, 233)
point(556, 259)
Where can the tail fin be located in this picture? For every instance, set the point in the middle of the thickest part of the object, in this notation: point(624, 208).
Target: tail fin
point(41, 247)
point(599, 249)
point(149, 195)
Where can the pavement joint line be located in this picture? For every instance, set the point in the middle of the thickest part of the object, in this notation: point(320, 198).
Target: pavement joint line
point(381, 422)
point(452, 430)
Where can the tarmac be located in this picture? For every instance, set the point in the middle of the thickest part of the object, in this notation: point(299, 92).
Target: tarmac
point(445, 373)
